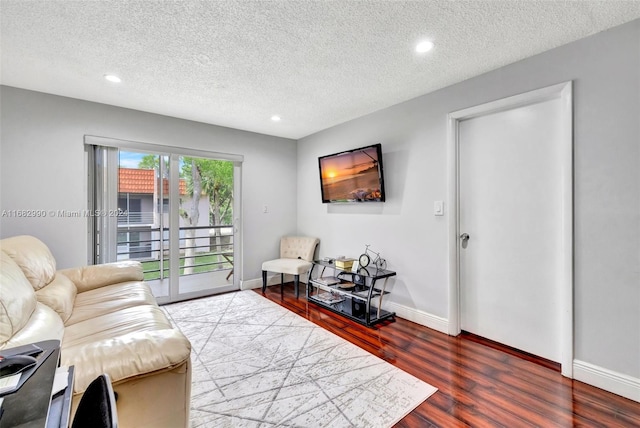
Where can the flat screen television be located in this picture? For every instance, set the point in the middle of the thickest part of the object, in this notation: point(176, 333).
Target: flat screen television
point(353, 176)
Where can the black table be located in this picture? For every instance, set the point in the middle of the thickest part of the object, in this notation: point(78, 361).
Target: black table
point(32, 406)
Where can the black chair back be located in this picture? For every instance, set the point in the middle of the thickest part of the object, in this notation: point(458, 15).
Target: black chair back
point(97, 407)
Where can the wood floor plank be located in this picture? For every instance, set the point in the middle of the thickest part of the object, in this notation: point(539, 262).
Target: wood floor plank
point(479, 384)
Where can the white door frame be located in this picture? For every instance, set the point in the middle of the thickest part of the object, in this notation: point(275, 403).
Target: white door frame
point(563, 91)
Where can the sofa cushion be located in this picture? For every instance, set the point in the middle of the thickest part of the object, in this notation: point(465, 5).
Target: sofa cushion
point(110, 298)
point(59, 295)
point(131, 355)
point(33, 257)
point(95, 276)
point(121, 322)
point(44, 324)
point(17, 298)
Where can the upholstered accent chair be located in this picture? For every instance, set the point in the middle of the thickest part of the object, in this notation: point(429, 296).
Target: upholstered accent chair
point(296, 254)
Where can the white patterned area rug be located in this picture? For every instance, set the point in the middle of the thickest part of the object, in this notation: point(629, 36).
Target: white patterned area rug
point(257, 364)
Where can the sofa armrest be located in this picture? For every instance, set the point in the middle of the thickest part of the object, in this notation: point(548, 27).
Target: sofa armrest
point(90, 277)
point(128, 356)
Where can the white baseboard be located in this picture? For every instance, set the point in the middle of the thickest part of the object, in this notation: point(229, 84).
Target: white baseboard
point(251, 284)
point(617, 383)
point(406, 312)
point(419, 317)
point(411, 314)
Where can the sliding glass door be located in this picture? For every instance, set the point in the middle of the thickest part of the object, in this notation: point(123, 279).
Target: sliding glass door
point(176, 214)
point(206, 231)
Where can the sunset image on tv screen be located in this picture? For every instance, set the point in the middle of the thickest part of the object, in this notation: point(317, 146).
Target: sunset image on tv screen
point(352, 176)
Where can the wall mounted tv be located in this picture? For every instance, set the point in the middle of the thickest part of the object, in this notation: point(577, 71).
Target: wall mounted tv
point(353, 176)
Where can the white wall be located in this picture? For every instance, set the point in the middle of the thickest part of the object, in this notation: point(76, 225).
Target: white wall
point(42, 166)
point(605, 69)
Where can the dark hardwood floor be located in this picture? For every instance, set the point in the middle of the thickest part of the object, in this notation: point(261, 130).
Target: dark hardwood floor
point(479, 385)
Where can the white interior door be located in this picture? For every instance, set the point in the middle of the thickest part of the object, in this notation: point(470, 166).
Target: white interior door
point(511, 207)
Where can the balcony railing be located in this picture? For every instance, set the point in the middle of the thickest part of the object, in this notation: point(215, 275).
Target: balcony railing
point(131, 218)
point(201, 248)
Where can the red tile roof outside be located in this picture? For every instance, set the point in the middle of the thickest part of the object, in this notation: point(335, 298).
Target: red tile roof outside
point(135, 180)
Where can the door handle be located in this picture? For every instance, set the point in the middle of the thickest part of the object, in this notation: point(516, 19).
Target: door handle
point(464, 240)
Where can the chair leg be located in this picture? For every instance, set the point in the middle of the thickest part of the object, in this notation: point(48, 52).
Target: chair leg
point(281, 283)
point(296, 283)
point(264, 281)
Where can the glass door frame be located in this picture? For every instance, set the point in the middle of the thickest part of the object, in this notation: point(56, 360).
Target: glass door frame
point(174, 153)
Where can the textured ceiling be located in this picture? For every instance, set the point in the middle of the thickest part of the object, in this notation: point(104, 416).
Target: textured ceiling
point(314, 63)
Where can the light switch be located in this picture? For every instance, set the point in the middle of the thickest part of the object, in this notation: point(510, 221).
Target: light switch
point(438, 208)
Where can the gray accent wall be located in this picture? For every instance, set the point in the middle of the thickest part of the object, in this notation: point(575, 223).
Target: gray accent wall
point(43, 167)
point(605, 69)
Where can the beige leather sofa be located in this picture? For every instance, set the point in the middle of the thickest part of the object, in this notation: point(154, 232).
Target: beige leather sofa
point(107, 321)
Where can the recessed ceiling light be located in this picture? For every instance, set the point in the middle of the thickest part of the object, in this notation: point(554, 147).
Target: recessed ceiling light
point(424, 46)
point(112, 78)
point(275, 118)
